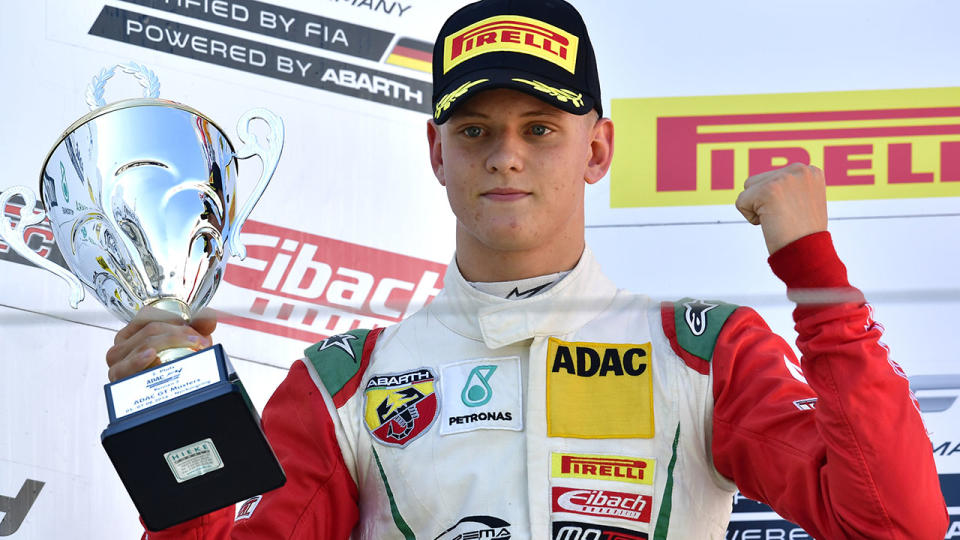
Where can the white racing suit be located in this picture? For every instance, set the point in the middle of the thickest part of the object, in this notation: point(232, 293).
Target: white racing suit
point(591, 413)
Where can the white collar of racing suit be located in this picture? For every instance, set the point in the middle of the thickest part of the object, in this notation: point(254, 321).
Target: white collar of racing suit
point(566, 306)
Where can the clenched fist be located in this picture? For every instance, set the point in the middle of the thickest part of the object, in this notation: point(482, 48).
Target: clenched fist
point(136, 345)
point(787, 203)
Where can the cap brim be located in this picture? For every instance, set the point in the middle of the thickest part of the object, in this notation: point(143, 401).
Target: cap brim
point(548, 91)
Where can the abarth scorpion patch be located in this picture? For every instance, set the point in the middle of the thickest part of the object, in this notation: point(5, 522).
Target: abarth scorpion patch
point(399, 407)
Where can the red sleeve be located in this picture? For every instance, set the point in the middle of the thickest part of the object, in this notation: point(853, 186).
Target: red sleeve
point(319, 499)
point(859, 464)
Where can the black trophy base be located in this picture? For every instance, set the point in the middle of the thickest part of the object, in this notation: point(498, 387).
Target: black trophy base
point(192, 454)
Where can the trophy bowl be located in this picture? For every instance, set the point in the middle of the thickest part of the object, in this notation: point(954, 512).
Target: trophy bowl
point(141, 195)
point(141, 198)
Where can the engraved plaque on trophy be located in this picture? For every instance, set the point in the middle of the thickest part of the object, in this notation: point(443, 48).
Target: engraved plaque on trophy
point(141, 197)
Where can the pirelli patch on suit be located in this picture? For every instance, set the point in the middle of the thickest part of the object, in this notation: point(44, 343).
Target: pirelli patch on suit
point(599, 390)
point(633, 470)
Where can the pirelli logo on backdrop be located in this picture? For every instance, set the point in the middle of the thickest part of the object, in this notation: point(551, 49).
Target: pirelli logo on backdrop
point(511, 33)
point(602, 467)
point(880, 144)
point(599, 390)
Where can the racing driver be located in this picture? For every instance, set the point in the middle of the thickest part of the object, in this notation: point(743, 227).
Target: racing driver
point(533, 399)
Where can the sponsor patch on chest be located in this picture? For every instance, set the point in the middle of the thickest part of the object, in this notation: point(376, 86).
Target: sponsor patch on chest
point(482, 393)
point(399, 407)
point(575, 530)
point(602, 467)
point(599, 390)
point(603, 503)
point(478, 527)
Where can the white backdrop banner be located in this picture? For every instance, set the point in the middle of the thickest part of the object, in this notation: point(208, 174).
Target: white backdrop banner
point(355, 232)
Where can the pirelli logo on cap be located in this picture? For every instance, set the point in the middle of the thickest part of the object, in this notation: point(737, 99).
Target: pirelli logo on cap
point(511, 33)
point(599, 390)
point(877, 144)
point(603, 467)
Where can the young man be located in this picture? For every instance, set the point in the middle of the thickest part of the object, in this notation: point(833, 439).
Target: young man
point(572, 410)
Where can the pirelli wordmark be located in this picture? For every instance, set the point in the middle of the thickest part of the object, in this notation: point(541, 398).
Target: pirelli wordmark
point(603, 467)
point(513, 33)
point(881, 144)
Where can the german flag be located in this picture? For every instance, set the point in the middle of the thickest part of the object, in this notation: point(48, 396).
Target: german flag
point(413, 54)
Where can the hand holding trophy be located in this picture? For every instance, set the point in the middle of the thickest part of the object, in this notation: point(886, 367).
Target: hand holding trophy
point(141, 197)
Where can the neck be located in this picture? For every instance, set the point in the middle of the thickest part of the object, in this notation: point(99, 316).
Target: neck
point(481, 263)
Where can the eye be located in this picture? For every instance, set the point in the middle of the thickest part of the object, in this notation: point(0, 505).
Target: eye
point(540, 130)
point(472, 131)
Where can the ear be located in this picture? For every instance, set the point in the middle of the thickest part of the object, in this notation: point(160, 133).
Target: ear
point(436, 151)
point(601, 151)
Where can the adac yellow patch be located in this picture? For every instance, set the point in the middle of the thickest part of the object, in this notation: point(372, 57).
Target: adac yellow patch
point(603, 467)
point(515, 34)
point(599, 390)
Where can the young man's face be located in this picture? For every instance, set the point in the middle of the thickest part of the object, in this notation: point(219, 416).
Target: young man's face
point(514, 168)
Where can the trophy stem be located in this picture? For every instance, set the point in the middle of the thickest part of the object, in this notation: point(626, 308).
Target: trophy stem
point(169, 355)
point(172, 305)
point(180, 309)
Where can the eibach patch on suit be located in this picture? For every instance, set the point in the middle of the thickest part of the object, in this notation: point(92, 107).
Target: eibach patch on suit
point(399, 407)
point(602, 503)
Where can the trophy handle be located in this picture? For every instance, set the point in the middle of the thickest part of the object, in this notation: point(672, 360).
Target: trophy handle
point(147, 79)
point(14, 238)
point(269, 155)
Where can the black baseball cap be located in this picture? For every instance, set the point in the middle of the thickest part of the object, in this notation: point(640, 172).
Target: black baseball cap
point(539, 47)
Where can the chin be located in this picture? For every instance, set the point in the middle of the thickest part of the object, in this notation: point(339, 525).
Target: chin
point(509, 239)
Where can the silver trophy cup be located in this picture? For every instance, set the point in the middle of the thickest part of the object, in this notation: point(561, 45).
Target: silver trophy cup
point(141, 198)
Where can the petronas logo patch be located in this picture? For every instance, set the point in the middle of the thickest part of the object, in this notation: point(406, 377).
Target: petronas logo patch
point(481, 393)
point(477, 392)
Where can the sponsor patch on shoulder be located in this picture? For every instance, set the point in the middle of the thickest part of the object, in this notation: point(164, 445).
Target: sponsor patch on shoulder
point(694, 314)
point(697, 325)
point(399, 407)
point(603, 467)
point(575, 530)
point(247, 507)
point(599, 390)
point(482, 393)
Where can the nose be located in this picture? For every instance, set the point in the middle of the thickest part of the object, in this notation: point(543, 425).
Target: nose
point(506, 154)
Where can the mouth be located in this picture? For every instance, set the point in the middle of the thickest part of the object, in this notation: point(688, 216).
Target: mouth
point(504, 194)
